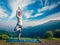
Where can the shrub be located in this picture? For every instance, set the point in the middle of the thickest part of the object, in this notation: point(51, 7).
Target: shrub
point(48, 34)
point(5, 36)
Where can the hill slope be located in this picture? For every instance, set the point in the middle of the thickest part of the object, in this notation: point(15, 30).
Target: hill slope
point(38, 30)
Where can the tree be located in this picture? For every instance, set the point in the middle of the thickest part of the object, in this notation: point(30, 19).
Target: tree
point(48, 34)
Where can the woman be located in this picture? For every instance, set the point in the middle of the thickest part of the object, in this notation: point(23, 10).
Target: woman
point(19, 22)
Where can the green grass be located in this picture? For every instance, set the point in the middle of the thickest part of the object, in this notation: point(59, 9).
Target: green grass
point(50, 39)
point(21, 38)
point(35, 38)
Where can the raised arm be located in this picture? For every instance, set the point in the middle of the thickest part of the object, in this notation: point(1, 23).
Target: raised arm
point(19, 13)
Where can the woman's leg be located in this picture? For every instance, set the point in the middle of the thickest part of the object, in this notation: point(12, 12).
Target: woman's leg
point(19, 34)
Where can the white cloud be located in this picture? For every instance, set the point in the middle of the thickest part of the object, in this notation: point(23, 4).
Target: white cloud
point(55, 16)
point(28, 13)
point(38, 14)
point(48, 7)
point(15, 3)
point(3, 13)
point(52, 6)
point(43, 9)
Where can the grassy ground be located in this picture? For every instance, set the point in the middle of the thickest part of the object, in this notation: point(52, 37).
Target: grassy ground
point(21, 38)
point(54, 41)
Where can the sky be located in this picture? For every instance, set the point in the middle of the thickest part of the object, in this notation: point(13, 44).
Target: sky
point(35, 12)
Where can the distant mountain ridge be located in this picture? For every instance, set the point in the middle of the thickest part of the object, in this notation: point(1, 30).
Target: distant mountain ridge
point(38, 30)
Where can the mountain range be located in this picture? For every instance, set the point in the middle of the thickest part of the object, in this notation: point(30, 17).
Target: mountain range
point(36, 31)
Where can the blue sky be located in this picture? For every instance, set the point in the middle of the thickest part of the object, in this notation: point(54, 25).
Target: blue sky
point(35, 12)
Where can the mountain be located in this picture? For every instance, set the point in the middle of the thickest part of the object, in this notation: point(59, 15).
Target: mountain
point(39, 30)
point(36, 31)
